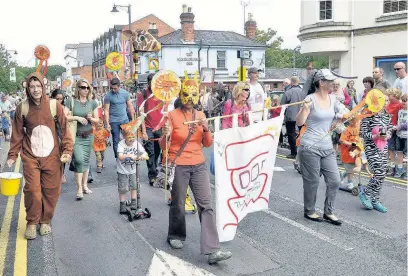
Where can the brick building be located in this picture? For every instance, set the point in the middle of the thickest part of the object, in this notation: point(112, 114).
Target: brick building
point(83, 72)
point(113, 41)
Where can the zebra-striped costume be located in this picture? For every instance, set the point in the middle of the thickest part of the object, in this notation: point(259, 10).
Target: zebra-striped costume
point(377, 159)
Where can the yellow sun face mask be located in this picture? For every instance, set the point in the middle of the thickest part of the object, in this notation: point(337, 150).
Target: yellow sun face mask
point(190, 89)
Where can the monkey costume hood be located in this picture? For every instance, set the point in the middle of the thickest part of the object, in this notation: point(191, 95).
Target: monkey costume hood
point(35, 138)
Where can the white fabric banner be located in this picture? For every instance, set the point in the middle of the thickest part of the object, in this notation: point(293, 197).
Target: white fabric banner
point(244, 159)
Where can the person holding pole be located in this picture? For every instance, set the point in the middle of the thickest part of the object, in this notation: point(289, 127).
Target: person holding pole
point(185, 144)
point(316, 152)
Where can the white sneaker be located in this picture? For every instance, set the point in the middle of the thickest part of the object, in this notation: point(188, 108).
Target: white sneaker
point(350, 185)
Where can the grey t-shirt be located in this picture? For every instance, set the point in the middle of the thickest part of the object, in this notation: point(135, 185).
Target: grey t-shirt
point(318, 124)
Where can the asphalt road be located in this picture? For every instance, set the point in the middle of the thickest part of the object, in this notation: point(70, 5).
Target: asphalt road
point(91, 238)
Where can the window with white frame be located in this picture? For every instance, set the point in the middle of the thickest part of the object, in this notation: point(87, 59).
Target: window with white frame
point(221, 59)
point(394, 6)
point(325, 10)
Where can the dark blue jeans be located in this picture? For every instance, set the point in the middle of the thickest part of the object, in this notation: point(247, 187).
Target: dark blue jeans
point(153, 150)
point(115, 130)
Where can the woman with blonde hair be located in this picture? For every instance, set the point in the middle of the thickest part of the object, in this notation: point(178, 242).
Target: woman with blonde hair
point(83, 110)
point(237, 104)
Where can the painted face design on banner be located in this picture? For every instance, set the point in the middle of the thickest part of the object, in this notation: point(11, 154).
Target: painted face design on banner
point(190, 89)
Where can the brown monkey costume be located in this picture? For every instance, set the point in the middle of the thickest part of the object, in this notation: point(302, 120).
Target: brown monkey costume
point(35, 137)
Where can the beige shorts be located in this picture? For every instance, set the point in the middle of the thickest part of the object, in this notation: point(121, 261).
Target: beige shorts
point(125, 181)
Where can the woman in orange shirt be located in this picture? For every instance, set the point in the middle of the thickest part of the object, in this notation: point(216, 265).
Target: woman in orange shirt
point(191, 169)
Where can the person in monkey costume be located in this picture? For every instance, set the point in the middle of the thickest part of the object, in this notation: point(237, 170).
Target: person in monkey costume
point(42, 152)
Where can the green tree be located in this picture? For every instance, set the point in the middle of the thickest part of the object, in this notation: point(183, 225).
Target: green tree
point(277, 57)
point(21, 72)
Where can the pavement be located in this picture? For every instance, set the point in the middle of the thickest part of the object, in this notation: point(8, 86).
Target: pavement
point(91, 238)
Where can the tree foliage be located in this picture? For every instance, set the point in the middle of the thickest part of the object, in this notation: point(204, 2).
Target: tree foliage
point(277, 57)
point(21, 72)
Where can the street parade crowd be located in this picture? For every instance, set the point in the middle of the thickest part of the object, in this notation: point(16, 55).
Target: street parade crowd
point(53, 132)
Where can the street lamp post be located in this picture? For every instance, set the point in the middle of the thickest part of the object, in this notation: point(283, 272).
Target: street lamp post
point(14, 52)
point(128, 7)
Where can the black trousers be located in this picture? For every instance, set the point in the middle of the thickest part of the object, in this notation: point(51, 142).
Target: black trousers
point(291, 131)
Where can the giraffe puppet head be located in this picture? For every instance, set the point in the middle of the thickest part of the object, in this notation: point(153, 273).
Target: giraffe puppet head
point(143, 41)
point(190, 89)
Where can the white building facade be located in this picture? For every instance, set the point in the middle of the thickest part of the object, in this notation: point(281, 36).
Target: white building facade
point(191, 50)
point(357, 35)
point(192, 58)
point(76, 55)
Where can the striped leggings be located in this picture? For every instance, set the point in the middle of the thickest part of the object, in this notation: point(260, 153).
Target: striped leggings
point(377, 162)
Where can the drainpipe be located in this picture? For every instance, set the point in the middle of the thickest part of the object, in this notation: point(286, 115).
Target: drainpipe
point(208, 56)
point(352, 39)
point(199, 56)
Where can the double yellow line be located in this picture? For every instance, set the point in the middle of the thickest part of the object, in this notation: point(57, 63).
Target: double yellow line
point(364, 174)
point(20, 260)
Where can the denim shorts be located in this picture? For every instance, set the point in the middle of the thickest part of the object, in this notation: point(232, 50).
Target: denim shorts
point(401, 144)
point(392, 142)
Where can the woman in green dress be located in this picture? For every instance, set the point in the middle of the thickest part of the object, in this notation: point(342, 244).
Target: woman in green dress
point(84, 110)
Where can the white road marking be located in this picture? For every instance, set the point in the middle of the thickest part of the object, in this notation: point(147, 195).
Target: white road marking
point(308, 230)
point(278, 169)
point(177, 265)
point(352, 223)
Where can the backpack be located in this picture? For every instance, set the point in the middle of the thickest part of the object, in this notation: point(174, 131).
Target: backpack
point(25, 107)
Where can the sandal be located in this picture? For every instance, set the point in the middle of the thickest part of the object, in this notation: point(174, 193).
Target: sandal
point(30, 232)
point(45, 229)
point(79, 196)
point(87, 191)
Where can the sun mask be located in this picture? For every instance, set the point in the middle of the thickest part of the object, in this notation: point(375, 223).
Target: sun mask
point(190, 89)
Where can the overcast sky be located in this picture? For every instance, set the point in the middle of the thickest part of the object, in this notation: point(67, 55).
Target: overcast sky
point(54, 23)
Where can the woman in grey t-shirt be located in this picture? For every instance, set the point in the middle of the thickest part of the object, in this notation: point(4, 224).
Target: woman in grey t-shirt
point(316, 153)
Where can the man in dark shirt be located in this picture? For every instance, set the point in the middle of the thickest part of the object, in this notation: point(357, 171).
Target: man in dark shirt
point(292, 95)
point(152, 120)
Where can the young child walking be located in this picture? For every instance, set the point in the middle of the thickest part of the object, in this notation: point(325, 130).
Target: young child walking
point(5, 125)
point(130, 150)
point(402, 135)
point(375, 131)
point(99, 145)
point(351, 149)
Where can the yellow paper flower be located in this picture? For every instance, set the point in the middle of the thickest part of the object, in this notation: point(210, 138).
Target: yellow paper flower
point(114, 61)
point(375, 100)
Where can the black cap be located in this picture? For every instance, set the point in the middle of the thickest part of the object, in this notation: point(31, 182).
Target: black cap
point(115, 81)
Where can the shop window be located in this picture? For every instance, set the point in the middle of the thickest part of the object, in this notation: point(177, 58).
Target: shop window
point(394, 6)
point(221, 58)
point(387, 64)
point(325, 10)
point(275, 85)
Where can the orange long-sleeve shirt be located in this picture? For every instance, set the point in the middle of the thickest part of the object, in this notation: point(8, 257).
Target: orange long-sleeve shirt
point(193, 152)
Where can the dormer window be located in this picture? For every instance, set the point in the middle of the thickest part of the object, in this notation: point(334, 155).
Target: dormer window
point(325, 10)
point(394, 6)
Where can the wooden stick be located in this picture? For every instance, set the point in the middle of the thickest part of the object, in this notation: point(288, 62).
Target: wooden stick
point(231, 115)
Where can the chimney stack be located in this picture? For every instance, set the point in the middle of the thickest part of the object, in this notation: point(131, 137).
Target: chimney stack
point(153, 30)
point(187, 24)
point(250, 27)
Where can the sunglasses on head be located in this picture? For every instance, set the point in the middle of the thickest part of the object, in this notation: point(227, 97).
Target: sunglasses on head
point(84, 87)
point(246, 89)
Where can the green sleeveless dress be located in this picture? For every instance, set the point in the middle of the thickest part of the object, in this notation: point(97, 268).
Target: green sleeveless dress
point(83, 146)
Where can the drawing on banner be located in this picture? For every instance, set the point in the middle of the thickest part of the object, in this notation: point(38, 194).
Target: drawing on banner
point(243, 181)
